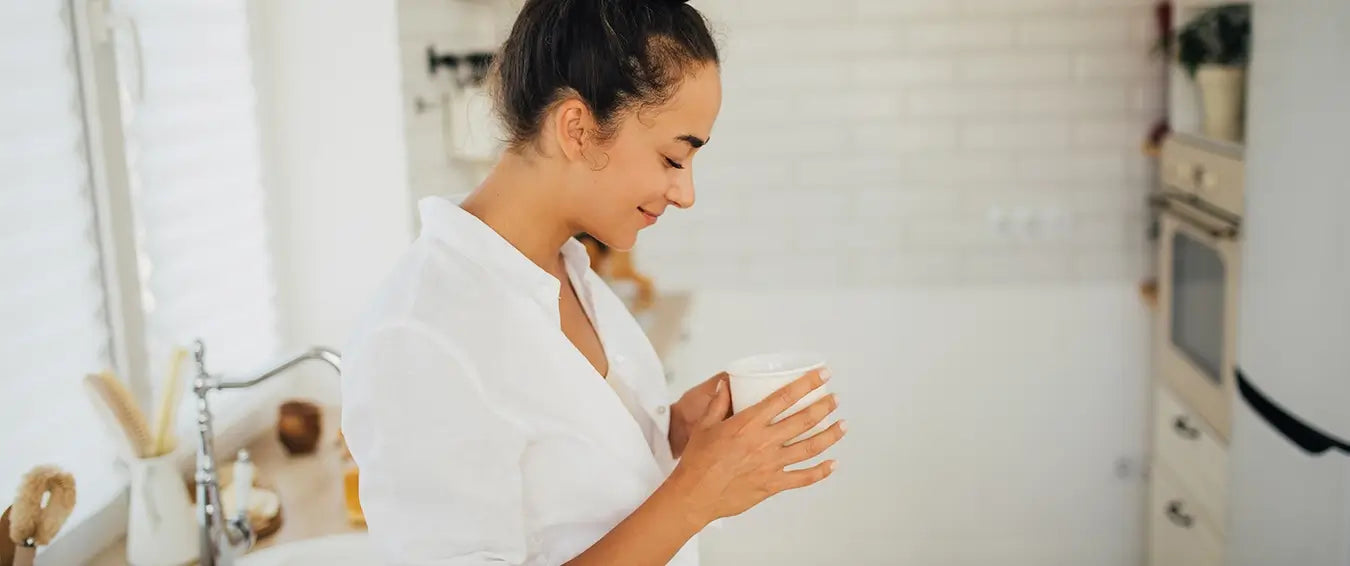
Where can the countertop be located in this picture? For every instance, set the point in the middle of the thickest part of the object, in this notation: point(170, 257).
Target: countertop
point(310, 488)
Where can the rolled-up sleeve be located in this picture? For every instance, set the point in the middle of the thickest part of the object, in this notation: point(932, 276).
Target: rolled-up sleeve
point(440, 477)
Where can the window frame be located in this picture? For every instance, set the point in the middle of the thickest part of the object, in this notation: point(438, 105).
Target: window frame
point(95, 28)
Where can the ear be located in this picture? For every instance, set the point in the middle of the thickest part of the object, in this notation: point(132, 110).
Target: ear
point(572, 123)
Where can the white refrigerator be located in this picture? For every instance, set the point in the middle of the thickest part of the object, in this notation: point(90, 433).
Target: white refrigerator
point(1290, 461)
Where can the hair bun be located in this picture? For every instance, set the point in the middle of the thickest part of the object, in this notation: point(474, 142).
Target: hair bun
point(613, 55)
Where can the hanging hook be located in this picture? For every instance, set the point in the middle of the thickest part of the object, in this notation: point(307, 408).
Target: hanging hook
point(436, 61)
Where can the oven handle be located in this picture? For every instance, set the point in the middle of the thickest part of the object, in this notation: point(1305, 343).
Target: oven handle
point(1291, 427)
point(1192, 216)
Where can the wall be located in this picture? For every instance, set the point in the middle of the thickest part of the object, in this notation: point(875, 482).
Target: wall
point(877, 142)
point(336, 168)
point(339, 197)
point(880, 142)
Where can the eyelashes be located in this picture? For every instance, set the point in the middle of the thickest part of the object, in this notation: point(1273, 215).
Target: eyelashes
point(674, 163)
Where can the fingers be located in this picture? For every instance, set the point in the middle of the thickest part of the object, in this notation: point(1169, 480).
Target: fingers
point(711, 387)
point(788, 395)
point(796, 479)
point(803, 420)
point(709, 384)
point(720, 405)
point(812, 446)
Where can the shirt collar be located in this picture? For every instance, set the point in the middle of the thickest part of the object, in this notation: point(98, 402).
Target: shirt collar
point(445, 221)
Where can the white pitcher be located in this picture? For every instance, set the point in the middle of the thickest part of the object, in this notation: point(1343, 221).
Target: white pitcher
point(161, 529)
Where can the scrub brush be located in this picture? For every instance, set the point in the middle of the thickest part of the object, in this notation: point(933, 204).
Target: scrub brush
point(108, 390)
point(30, 523)
point(164, 440)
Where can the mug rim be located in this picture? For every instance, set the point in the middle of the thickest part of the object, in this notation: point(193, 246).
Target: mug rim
point(795, 362)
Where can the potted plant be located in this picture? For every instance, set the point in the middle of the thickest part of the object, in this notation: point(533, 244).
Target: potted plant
point(1214, 48)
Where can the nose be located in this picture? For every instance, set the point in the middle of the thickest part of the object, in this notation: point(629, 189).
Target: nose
point(681, 192)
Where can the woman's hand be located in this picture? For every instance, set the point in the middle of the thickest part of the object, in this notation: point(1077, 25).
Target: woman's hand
point(732, 464)
point(688, 413)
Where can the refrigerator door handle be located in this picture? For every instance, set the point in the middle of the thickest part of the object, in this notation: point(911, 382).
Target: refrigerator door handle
point(1303, 435)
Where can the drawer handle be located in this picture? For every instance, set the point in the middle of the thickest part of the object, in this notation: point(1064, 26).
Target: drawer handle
point(1185, 429)
point(1198, 176)
point(1179, 516)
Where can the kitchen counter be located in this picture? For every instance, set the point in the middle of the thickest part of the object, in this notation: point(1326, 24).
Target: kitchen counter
point(310, 488)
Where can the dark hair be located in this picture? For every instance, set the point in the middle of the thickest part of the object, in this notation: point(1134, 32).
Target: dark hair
point(614, 55)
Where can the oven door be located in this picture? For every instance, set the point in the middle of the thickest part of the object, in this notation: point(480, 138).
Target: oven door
point(1197, 324)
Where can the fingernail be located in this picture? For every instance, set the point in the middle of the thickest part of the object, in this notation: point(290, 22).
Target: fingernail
point(833, 464)
point(843, 426)
point(824, 375)
point(718, 389)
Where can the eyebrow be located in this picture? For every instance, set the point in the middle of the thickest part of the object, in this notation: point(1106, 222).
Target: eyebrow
point(693, 141)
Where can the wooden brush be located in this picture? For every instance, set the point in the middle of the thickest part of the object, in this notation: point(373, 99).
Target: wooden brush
point(6, 546)
point(164, 440)
point(108, 389)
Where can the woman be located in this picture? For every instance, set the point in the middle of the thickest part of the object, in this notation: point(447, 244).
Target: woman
point(502, 404)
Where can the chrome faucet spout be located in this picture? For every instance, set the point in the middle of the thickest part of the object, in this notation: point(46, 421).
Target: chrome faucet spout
point(222, 539)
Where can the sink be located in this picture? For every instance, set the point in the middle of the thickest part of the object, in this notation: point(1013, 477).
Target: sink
point(331, 550)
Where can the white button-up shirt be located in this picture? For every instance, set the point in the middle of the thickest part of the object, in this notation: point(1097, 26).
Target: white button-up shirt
point(482, 434)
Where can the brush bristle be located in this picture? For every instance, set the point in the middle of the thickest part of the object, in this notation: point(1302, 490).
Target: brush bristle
point(28, 518)
point(124, 408)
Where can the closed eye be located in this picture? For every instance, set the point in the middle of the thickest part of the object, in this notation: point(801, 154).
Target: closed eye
point(674, 163)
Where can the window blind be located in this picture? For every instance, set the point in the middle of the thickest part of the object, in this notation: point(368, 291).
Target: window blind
point(196, 175)
point(53, 323)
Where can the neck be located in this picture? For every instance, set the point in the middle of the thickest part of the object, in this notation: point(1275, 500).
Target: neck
point(519, 200)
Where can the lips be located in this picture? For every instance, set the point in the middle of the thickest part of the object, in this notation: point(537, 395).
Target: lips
point(651, 218)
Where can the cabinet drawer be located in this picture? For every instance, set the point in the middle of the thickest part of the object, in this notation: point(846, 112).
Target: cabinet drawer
point(1188, 448)
point(1178, 535)
point(1210, 174)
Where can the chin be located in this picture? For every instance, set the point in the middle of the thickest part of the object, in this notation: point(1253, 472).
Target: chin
point(617, 240)
point(623, 244)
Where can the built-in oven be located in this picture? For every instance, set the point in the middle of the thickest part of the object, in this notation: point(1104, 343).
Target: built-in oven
point(1200, 219)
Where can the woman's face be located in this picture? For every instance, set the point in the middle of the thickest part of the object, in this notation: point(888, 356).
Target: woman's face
point(625, 185)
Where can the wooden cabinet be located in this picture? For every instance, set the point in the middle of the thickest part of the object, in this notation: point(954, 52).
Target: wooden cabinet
point(1179, 535)
point(1193, 453)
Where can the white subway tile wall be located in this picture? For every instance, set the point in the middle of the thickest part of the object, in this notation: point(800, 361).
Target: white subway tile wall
point(448, 27)
point(873, 143)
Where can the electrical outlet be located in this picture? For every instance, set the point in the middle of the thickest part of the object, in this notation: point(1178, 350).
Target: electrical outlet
point(1029, 223)
point(1057, 223)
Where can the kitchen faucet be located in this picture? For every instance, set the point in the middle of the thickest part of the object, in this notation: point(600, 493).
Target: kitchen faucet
point(223, 540)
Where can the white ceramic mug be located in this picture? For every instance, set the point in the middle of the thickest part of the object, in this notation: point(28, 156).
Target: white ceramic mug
point(756, 377)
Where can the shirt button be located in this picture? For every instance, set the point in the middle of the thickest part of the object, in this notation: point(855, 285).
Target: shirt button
point(661, 410)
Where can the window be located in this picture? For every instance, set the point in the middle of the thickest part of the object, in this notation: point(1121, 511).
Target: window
point(132, 216)
point(53, 317)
